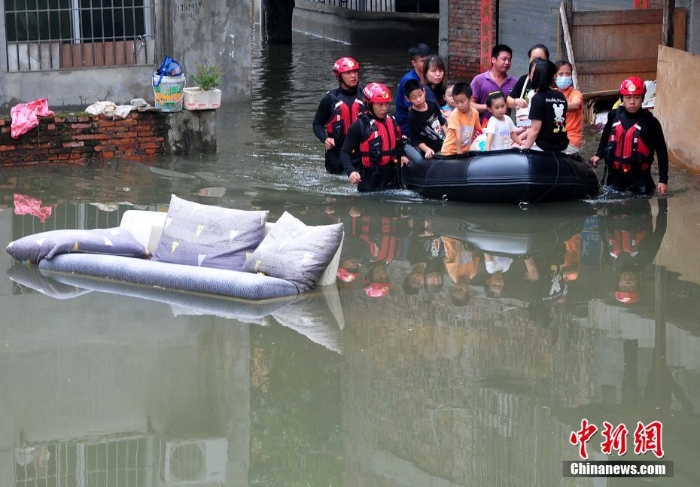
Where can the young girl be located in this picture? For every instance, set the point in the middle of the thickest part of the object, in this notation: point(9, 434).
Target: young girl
point(449, 102)
point(500, 130)
point(574, 114)
point(547, 111)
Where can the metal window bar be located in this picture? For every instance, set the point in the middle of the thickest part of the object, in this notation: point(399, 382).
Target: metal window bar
point(132, 460)
point(44, 35)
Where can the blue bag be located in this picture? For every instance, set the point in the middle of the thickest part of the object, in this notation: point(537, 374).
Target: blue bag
point(169, 67)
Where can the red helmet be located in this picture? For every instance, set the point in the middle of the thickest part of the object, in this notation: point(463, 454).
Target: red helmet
point(345, 275)
point(376, 93)
point(633, 86)
point(345, 64)
point(377, 289)
point(628, 297)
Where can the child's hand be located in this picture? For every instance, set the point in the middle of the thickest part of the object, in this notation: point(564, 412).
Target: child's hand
point(429, 154)
point(404, 160)
point(594, 161)
point(355, 177)
point(329, 143)
point(662, 188)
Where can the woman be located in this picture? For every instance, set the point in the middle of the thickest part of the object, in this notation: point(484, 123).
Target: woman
point(523, 86)
point(434, 79)
point(547, 111)
point(574, 113)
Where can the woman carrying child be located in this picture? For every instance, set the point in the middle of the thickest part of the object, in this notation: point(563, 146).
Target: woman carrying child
point(373, 148)
point(547, 111)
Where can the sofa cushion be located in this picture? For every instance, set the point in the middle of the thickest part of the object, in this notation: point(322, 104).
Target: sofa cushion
point(296, 252)
point(115, 241)
point(209, 236)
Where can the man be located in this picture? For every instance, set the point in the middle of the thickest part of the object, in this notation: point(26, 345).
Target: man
point(419, 53)
point(495, 79)
point(338, 110)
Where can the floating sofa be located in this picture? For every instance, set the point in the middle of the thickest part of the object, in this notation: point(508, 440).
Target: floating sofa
point(195, 248)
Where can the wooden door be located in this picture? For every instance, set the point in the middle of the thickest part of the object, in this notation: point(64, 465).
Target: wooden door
point(612, 45)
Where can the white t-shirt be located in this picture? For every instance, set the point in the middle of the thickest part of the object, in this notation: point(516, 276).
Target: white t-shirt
point(501, 130)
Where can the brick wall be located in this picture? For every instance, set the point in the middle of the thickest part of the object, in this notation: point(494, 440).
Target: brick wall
point(465, 33)
point(82, 138)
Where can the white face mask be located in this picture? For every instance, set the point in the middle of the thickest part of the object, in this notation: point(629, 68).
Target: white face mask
point(563, 82)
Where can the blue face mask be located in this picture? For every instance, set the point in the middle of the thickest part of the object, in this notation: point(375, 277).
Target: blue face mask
point(563, 82)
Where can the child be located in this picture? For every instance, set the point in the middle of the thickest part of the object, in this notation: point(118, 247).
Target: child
point(425, 120)
point(630, 139)
point(500, 130)
point(463, 125)
point(449, 102)
point(574, 113)
point(547, 111)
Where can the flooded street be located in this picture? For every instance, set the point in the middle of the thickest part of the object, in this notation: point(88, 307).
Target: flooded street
point(474, 373)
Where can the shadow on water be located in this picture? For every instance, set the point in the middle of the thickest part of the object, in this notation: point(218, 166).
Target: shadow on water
point(462, 346)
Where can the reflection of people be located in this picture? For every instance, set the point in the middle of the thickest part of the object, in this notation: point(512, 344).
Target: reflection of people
point(461, 265)
point(338, 109)
point(631, 137)
point(632, 243)
point(377, 281)
point(373, 148)
point(426, 254)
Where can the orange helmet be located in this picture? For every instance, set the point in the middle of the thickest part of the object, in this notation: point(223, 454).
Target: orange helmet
point(345, 64)
point(377, 289)
point(633, 86)
point(376, 93)
point(627, 297)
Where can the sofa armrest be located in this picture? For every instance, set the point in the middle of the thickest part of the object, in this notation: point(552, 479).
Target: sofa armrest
point(145, 226)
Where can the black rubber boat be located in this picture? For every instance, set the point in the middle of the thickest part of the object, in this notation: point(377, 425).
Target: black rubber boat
point(507, 176)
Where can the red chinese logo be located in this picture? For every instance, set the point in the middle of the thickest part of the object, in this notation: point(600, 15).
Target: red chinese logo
point(615, 439)
point(647, 438)
point(582, 436)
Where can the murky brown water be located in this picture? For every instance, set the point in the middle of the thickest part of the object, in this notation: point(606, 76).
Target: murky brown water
point(473, 379)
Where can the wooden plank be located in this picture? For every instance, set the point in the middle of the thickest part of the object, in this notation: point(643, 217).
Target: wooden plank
point(619, 66)
point(616, 17)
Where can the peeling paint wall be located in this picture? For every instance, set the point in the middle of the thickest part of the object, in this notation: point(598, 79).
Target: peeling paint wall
point(210, 31)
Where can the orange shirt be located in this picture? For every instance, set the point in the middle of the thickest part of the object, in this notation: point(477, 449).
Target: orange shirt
point(574, 119)
point(460, 126)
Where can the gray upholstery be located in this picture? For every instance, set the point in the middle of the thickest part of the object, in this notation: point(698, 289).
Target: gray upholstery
point(296, 252)
point(172, 276)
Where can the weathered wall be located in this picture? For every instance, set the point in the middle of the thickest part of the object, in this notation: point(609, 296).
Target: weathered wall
point(81, 138)
point(678, 76)
point(464, 34)
point(365, 28)
point(209, 31)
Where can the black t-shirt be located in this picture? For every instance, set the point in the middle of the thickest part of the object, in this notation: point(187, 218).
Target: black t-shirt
point(550, 108)
point(517, 90)
point(426, 127)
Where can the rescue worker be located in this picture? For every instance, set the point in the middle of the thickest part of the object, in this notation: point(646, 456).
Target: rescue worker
point(374, 147)
point(630, 139)
point(338, 109)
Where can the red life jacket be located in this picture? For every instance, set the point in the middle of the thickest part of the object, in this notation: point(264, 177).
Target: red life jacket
point(379, 146)
point(384, 248)
point(630, 150)
point(343, 115)
point(625, 241)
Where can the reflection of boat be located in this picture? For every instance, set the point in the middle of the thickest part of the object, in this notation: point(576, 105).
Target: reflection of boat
point(318, 315)
point(504, 230)
point(508, 176)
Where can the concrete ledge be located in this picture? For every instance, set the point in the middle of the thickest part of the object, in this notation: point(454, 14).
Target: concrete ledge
point(394, 29)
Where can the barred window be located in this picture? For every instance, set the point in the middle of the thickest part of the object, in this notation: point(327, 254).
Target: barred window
point(62, 34)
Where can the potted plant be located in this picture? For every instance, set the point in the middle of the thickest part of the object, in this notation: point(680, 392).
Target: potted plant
point(205, 95)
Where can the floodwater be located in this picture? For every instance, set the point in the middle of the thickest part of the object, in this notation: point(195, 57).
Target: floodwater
point(474, 379)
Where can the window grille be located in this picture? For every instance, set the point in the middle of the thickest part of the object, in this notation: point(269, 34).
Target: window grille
point(68, 34)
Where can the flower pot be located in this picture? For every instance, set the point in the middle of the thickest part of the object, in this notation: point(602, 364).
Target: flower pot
point(198, 99)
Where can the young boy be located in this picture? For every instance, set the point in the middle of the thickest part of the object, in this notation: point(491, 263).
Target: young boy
point(425, 120)
point(500, 130)
point(630, 139)
point(463, 124)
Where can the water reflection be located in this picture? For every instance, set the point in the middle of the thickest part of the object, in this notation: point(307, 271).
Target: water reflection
point(468, 373)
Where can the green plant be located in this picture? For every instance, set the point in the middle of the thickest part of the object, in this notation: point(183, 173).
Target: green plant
point(208, 76)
